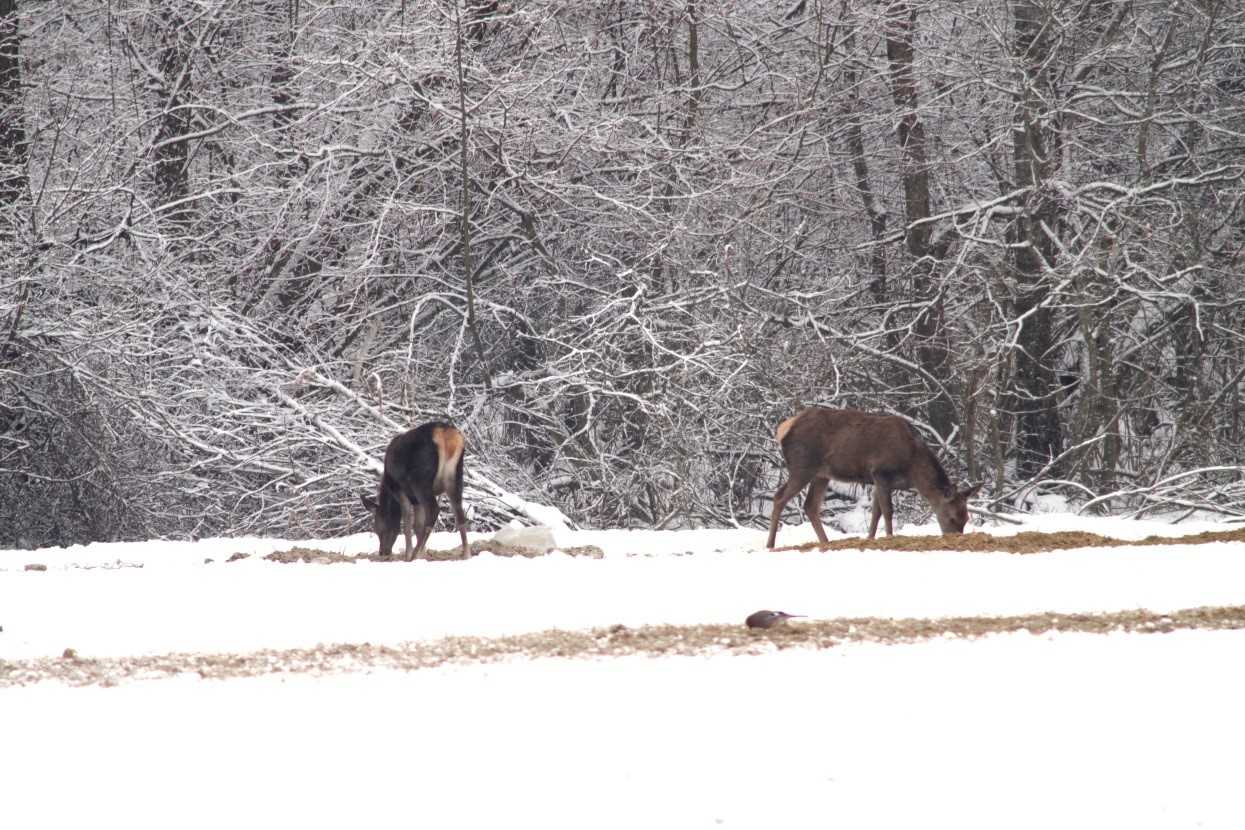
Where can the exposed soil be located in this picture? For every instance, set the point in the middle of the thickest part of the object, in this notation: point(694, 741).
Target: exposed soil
point(324, 557)
point(1027, 542)
point(618, 640)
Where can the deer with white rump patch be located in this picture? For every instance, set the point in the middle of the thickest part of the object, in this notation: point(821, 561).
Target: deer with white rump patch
point(847, 445)
point(420, 465)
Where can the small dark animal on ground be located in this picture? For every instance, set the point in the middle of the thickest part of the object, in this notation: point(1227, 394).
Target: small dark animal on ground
point(768, 619)
point(856, 447)
point(420, 465)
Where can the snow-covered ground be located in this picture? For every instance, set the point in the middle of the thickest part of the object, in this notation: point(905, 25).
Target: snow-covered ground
point(93, 600)
point(1061, 730)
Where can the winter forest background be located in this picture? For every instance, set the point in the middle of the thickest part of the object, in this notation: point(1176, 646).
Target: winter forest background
point(243, 242)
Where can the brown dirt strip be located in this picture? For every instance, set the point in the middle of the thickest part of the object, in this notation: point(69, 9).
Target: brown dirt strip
point(324, 557)
point(616, 641)
point(1023, 543)
point(1027, 542)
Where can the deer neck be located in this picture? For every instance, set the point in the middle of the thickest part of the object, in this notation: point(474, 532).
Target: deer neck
point(930, 480)
point(387, 499)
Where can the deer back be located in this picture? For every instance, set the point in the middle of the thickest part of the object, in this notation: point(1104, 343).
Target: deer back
point(853, 446)
point(427, 457)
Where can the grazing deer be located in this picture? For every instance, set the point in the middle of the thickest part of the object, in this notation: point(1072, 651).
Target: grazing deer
point(420, 465)
point(863, 448)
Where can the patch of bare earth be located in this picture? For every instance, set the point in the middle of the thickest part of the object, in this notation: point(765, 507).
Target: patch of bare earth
point(1027, 542)
point(616, 641)
point(324, 557)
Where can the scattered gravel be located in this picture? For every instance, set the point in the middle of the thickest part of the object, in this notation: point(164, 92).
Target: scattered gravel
point(615, 641)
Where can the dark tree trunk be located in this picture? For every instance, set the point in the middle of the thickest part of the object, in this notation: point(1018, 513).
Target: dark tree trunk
point(930, 336)
point(171, 150)
point(282, 17)
point(860, 171)
point(1035, 154)
point(12, 130)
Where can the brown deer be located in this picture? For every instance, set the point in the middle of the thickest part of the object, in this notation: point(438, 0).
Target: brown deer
point(420, 465)
point(863, 448)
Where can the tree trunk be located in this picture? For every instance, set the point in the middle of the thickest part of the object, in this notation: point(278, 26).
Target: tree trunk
point(854, 113)
point(13, 149)
point(931, 350)
point(1035, 143)
point(171, 148)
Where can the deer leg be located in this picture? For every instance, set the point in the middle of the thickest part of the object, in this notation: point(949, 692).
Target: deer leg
point(875, 513)
point(456, 501)
point(812, 507)
point(881, 506)
point(460, 521)
point(887, 510)
point(407, 516)
point(423, 527)
point(788, 489)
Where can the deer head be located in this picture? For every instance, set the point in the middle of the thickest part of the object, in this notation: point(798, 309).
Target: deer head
point(952, 513)
point(385, 524)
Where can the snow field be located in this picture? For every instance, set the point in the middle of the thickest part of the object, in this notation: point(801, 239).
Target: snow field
point(1019, 731)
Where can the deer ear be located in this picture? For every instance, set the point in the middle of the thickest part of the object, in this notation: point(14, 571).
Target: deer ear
point(969, 489)
point(369, 502)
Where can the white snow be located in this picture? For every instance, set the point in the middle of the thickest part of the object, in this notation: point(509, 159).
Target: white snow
point(1018, 731)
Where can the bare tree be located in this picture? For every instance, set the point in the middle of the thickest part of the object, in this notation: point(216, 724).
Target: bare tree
point(13, 150)
point(616, 243)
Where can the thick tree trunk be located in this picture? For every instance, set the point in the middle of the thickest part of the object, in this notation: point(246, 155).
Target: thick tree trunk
point(854, 113)
point(931, 350)
point(13, 149)
point(171, 149)
point(1035, 154)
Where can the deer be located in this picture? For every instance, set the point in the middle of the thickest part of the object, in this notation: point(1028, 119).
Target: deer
point(857, 447)
point(420, 464)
